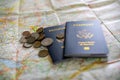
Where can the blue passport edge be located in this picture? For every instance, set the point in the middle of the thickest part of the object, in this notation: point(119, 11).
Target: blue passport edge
point(51, 54)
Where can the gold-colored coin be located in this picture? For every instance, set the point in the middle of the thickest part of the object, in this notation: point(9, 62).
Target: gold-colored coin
point(43, 53)
point(26, 34)
point(39, 30)
point(37, 44)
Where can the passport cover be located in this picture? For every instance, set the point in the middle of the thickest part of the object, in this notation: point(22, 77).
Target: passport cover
point(85, 39)
point(56, 49)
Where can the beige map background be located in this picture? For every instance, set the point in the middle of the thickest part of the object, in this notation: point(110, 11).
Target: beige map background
point(17, 63)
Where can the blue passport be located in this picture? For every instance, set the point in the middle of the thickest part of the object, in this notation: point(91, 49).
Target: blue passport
point(85, 39)
point(56, 49)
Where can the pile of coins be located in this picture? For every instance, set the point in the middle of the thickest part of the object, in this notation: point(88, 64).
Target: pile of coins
point(36, 39)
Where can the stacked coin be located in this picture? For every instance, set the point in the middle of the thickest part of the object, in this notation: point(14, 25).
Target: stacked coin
point(36, 39)
point(60, 36)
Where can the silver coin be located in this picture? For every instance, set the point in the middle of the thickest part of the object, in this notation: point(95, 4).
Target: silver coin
point(60, 36)
point(23, 40)
point(47, 42)
point(27, 45)
point(35, 35)
point(31, 40)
